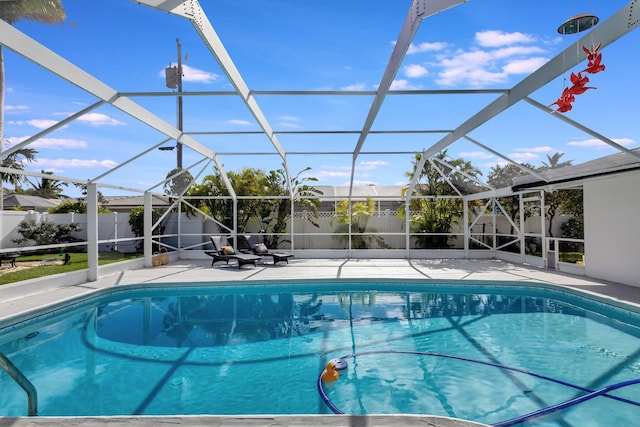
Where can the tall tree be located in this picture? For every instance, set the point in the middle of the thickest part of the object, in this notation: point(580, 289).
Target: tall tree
point(46, 187)
point(44, 11)
point(274, 214)
point(554, 199)
point(15, 160)
point(247, 182)
point(433, 218)
point(554, 161)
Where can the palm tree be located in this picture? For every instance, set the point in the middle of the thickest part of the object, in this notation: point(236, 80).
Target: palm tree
point(432, 218)
point(47, 12)
point(47, 188)
point(553, 200)
point(554, 161)
point(15, 160)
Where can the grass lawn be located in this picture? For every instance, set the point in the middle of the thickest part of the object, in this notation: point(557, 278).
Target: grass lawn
point(573, 257)
point(78, 262)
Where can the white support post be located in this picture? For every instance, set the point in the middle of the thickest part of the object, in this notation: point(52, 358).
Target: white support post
point(407, 226)
point(494, 244)
point(115, 231)
point(543, 227)
point(234, 232)
point(179, 224)
point(292, 222)
point(147, 224)
point(92, 232)
point(521, 231)
point(467, 225)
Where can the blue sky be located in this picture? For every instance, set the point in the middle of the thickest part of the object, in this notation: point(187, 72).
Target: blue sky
point(331, 45)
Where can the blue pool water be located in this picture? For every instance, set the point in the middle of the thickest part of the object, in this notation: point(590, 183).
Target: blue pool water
point(260, 349)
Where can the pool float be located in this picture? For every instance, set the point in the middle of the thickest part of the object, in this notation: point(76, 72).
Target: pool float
point(330, 374)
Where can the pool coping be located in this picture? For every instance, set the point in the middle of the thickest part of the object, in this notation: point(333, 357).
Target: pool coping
point(246, 421)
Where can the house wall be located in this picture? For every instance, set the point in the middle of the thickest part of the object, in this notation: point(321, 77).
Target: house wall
point(612, 229)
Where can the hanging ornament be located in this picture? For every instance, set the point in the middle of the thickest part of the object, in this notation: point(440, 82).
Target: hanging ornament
point(579, 84)
point(564, 102)
point(594, 60)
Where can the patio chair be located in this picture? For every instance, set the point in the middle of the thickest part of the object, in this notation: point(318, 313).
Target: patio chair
point(226, 253)
point(259, 248)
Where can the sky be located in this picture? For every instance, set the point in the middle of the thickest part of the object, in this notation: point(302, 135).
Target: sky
point(286, 45)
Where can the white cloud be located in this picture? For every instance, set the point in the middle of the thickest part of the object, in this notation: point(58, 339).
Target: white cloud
point(61, 164)
point(523, 156)
point(496, 57)
point(599, 145)
point(415, 70)
point(355, 86)
point(426, 47)
point(371, 165)
point(470, 68)
point(290, 125)
point(239, 122)
point(524, 66)
point(324, 174)
point(198, 76)
point(41, 123)
point(193, 75)
point(36, 123)
point(98, 119)
point(401, 85)
point(542, 149)
point(49, 143)
point(508, 52)
point(15, 108)
point(475, 155)
point(495, 38)
point(59, 143)
point(288, 121)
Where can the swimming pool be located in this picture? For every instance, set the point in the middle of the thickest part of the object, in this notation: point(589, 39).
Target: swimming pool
point(487, 352)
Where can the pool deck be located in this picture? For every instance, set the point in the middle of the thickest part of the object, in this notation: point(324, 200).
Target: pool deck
point(22, 299)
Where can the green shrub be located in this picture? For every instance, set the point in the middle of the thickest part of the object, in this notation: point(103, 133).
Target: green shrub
point(46, 233)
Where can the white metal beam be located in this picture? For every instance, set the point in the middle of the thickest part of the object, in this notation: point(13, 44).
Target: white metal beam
point(39, 54)
point(623, 22)
point(502, 156)
point(50, 129)
point(585, 129)
point(191, 10)
point(419, 10)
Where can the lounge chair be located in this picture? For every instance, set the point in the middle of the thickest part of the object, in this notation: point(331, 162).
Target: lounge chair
point(222, 252)
point(259, 248)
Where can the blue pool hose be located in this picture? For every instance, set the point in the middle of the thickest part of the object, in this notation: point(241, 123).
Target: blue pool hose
point(590, 393)
point(566, 404)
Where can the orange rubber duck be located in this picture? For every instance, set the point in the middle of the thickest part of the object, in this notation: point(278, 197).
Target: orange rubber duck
point(330, 374)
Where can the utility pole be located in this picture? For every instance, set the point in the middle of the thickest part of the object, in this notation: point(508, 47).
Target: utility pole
point(173, 80)
point(179, 145)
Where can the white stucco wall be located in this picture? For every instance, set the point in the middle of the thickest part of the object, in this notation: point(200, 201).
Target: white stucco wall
point(612, 228)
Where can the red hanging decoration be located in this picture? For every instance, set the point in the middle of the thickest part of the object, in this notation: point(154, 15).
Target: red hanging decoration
point(579, 82)
point(564, 102)
point(593, 60)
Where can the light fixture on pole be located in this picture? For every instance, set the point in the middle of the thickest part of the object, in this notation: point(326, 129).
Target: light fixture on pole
point(173, 80)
